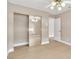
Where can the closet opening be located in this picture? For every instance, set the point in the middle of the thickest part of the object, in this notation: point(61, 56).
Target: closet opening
point(21, 27)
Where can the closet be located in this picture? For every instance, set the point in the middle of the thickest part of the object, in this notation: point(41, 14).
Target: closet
point(27, 30)
point(21, 26)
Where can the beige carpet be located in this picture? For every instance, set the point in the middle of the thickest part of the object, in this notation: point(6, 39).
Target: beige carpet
point(54, 50)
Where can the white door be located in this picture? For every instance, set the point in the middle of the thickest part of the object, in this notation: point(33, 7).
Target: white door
point(57, 29)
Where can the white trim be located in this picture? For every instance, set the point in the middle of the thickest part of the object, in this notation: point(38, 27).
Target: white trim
point(10, 50)
point(21, 44)
point(47, 42)
point(64, 42)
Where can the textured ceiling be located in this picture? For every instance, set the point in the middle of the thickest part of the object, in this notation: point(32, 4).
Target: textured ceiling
point(40, 5)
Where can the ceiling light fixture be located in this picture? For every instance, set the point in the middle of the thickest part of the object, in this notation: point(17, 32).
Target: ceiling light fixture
point(51, 7)
point(59, 8)
point(58, 4)
point(63, 4)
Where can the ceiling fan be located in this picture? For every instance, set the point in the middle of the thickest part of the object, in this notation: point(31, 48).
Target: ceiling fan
point(59, 4)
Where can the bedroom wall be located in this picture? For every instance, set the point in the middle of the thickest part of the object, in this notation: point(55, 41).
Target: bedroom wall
point(66, 26)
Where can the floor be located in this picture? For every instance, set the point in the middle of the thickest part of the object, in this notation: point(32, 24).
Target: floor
point(54, 50)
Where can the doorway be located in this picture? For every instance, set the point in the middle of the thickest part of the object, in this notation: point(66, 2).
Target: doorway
point(21, 25)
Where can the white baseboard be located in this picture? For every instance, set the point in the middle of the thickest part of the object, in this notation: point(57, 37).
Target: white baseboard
point(21, 44)
point(10, 50)
point(64, 42)
point(47, 42)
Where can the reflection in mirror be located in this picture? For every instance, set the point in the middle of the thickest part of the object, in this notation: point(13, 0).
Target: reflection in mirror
point(35, 18)
point(34, 30)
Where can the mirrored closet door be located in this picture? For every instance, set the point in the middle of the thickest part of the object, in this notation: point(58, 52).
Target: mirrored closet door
point(34, 30)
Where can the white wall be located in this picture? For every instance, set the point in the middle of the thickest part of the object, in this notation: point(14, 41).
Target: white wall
point(66, 26)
